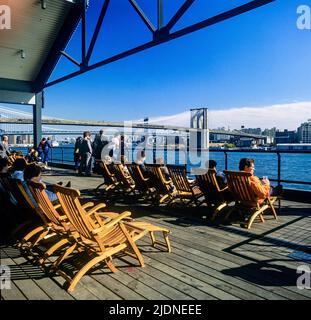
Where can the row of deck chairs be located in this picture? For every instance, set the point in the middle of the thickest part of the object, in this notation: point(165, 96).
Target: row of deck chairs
point(205, 189)
point(72, 229)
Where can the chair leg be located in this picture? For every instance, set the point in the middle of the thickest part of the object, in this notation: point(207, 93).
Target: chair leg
point(273, 209)
point(84, 270)
point(58, 261)
point(255, 215)
point(218, 209)
point(29, 235)
point(54, 248)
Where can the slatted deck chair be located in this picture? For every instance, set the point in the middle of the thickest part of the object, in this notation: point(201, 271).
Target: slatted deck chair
point(164, 189)
point(99, 239)
point(141, 182)
point(110, 181)
point(98, 217)
point(186, 192)
point(126, 183)
point(214, 195)
point(245, 199)
point(32, 216)
point(58, 223)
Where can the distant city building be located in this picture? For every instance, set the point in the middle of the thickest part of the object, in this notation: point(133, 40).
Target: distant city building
point(256, 131)
point(245, 142)
point(294, 146)
point(304, 132)
point(270, 134)
point(285, 136)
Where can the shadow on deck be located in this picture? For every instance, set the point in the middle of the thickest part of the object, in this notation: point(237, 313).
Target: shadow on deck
point(208, 261)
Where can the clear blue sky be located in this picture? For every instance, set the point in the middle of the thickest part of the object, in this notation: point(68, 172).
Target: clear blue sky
point(256, 59)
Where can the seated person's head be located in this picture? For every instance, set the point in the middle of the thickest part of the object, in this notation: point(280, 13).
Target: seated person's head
point(160, 160)
point(211, 164)
point(107, 160)
point(247, 165)
point(141, 157)
point(4, 165)
point(19, 164)
point(32, 172)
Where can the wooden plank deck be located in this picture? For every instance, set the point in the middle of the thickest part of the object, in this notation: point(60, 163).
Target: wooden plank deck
point(208, 262)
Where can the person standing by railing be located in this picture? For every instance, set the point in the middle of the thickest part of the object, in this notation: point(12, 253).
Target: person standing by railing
point(77, 153)
point(86, 154)
point(43, 149)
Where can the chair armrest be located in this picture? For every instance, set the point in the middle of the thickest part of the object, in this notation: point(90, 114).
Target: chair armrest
point(224, 189)
point(57, 206)
point(110, 224)
point(96, 208)
point(87, 205)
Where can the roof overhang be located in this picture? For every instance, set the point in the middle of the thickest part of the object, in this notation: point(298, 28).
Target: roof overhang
point(31, 48)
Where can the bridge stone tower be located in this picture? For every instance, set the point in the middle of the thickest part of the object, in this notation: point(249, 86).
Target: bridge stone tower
point(199, 135)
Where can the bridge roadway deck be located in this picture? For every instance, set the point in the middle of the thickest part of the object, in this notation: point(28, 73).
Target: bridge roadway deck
point(208, 261)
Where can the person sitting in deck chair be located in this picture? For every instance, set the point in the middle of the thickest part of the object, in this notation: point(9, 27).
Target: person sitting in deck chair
point(18, 168)
point(220, 176)
point(260, 187)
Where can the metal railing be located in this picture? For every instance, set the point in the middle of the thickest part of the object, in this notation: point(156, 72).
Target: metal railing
point(61, 155)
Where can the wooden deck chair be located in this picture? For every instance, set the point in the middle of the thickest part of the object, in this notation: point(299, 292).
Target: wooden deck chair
point(214, 195)
point(110, 181)
point(56, 224)
point(98, 217)
point(185, 191)
point(164, 188)
point(245, 199)
point(126, 183)
point(27, 208)
point(101, 240)
point(141, 182)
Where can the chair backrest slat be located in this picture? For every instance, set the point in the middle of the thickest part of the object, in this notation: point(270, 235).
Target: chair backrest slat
point(157, 179)
point(240, 186)
point(44, 203)
point(107, 174)
point(69, 200)
point(178, 175)
point(140, 182)
point(208, 184)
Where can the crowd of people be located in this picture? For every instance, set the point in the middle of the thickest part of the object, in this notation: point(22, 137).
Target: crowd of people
point(86, 151)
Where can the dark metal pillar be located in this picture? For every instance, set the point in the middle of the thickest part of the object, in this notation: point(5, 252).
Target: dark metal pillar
point(279, 168)
point(160, 14)
point(37, 119)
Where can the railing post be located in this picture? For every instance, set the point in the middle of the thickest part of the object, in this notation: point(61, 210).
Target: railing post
point(154, 148)
point(226, 160)
point(279, 168)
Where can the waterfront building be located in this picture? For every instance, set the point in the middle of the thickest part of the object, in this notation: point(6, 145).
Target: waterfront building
point(285, 136)
point(304, 132)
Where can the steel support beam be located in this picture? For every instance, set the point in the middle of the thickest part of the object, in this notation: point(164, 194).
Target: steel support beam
point(37, 118)
point(162, 35)
point(142, 15)
point(97, 30)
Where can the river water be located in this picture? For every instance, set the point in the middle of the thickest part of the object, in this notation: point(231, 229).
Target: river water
point(295, 167)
